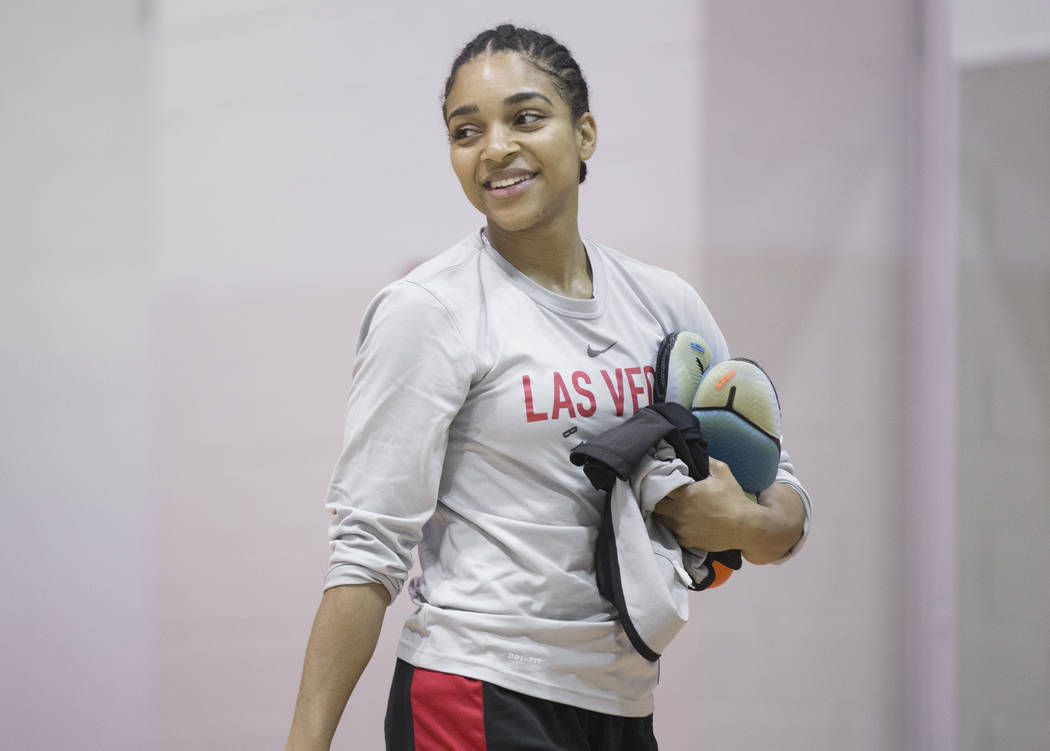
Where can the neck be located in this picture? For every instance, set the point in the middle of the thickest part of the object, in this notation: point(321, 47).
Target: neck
point(553, 257)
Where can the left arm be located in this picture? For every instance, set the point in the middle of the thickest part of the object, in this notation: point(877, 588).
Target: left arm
point(715, 514)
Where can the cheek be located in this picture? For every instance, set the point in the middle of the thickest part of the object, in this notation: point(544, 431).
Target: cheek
point(463, 167)
point(561, 156)
point(458, 162)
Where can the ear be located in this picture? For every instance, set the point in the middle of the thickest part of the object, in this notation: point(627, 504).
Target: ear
point(586, 135)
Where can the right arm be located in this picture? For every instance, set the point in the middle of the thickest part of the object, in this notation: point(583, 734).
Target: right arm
point(411, 375)
point(342, 640)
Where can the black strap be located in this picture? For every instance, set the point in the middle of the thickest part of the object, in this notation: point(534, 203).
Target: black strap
point(614, 455)
point(610, 586)
point(616, 452)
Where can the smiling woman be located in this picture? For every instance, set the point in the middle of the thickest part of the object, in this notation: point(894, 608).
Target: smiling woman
point(518, 156)
point(531, 338)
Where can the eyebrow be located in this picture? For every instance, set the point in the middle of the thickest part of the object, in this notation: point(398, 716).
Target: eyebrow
point(521, 96)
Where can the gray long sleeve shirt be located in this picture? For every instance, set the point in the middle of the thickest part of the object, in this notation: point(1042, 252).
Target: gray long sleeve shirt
point(471, 385)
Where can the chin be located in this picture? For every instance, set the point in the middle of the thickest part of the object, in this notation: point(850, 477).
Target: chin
point(513, 223)
point(512, 219)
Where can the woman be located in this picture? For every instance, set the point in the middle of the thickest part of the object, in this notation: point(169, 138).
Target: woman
point(475, 376)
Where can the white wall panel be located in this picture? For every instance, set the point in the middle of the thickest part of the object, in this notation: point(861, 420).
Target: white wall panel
point(809, 116)
point(301, 164)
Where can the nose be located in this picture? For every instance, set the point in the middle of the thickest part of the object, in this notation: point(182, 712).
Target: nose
point(499, 144)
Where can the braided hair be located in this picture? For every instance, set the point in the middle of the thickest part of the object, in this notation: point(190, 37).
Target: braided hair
point(542, 51)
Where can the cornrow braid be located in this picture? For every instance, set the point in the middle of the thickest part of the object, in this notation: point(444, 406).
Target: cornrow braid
point(543, 51)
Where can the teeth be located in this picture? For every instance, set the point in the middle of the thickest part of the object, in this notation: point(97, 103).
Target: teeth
point(509, 181)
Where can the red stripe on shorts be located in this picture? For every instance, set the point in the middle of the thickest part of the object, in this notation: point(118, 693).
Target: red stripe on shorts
point(448, 712)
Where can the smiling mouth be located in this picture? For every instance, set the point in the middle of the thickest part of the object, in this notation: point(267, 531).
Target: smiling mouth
point(508, 182)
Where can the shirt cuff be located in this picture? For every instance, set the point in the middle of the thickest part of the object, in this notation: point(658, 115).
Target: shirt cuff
point(788, 479)
point(342, 574)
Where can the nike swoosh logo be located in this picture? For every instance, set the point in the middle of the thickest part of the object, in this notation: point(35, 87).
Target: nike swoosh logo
point(592, 352)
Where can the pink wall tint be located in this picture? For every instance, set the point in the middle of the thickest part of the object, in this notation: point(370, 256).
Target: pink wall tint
point(201, 197)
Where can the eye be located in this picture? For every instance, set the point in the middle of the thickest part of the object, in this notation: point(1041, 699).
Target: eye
point(528, 117)
point(463, 132)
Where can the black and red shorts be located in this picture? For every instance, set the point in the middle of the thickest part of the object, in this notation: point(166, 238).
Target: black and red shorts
point(432, 711)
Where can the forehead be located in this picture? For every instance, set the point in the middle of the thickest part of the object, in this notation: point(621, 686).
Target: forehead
point(490, 78)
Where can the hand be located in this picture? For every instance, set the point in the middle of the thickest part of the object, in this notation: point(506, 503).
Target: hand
point(712, 514)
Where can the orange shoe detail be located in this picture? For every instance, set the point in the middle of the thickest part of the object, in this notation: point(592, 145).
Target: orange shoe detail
point(724, 379)
point(722, 574)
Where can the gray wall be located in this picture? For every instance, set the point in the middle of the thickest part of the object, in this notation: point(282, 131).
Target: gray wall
point(201, 197)
point(1004, 416)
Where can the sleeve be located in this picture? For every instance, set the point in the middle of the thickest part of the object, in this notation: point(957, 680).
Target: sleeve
point(657, 475)
point(786, 474)
point(411, 375)
point(696, 317)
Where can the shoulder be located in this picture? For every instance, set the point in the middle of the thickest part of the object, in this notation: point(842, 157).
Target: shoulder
point(625, 269)
point(664, 287)
point(666, 295)
point(429, 288)
point(449, 264)
point(420, 309)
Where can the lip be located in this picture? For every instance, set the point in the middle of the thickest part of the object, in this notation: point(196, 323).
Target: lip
point(509, 173)
point(510, 190)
